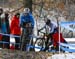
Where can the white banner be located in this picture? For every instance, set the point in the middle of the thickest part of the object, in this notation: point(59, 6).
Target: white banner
point(68, 25)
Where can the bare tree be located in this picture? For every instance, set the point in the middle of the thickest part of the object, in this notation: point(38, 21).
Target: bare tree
point(28, 4)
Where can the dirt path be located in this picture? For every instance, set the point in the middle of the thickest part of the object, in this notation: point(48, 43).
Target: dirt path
point(9, 54)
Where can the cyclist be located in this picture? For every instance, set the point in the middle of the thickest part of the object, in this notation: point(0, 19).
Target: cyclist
point(50, 28)
point(27, 25)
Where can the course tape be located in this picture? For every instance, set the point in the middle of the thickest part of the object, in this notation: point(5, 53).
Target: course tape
point(66, 44)
point(68, 25)
point(9, 35)
point(65, 47)
point(41, 48)
point(31, 46)
point(9, 43)
point(33, 36)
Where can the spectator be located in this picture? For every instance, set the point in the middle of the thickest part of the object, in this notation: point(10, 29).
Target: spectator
point(15, 29)
point(6, 21)
point(1, 12)
point(4, 31)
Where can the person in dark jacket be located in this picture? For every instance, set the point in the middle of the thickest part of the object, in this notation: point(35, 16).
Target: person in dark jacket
point(7, 21)
point(1, 12)
point(4, 31)
point(5, 28)
point(6, 18)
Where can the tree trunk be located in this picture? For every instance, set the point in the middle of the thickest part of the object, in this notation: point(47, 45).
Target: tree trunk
point(28, 4)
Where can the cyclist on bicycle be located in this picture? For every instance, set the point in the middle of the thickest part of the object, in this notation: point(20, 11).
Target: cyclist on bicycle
point(27, 25)
point(51, 28)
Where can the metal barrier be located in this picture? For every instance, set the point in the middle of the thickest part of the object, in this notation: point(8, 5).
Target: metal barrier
point(29, 46)
point(3, 42)
point(63, 46)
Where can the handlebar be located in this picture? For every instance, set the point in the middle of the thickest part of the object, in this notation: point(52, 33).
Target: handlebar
point(26, 25)
point(42, 32)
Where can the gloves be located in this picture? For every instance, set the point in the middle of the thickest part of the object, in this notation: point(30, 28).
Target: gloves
point(54, 47)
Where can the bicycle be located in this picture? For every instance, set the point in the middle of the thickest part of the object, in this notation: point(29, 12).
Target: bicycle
point(43, 41)
point(25, 38)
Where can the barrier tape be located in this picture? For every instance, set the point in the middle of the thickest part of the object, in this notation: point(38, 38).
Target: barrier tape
point(18, 36)
point(9, 43)
point(41, 48)
point(68, 25)
point(31, 46)
point(65, 47)
point(9, 35)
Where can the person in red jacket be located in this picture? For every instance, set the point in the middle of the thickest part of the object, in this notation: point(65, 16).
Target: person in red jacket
point(15, 29)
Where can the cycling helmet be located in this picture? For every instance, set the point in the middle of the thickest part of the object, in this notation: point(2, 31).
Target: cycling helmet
point(26, 10)
point(48, 21)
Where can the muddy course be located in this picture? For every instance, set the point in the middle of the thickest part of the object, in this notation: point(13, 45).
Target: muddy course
point(14, 54)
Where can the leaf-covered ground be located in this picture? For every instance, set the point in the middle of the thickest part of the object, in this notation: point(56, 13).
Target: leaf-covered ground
point(9, 54)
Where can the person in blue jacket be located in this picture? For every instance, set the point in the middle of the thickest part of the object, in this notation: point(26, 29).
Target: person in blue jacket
point(27, 25)
point(26, 17)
